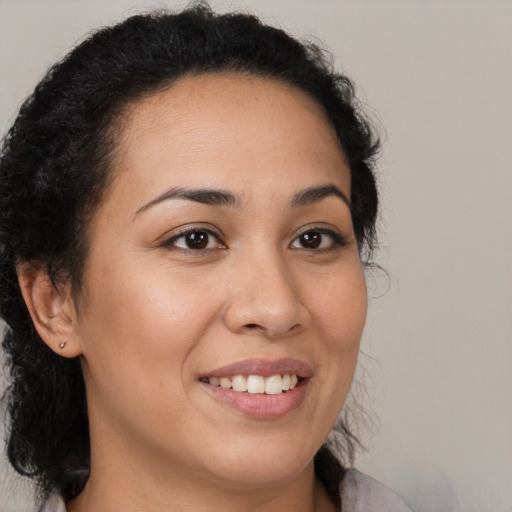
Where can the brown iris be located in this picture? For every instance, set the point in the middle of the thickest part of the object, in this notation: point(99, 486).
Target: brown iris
point(197, 240)
point(311, 240)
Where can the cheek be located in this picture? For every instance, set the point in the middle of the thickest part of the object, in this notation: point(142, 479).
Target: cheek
point(140, 326)
point(340, 314)
point(137, 332)
point(340, 306)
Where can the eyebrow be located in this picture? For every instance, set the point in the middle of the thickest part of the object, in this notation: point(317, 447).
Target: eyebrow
point(208, 196)
point(217, 197)
point(315, 194)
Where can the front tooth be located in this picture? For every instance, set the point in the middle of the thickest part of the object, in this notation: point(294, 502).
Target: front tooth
point(286, 382)
point(225, 382)
point(273, 385)
point(214, 381)
point(255, 384)
point(293, 381)
point(239, 383)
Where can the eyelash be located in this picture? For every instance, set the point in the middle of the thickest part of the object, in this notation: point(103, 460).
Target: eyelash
point(337, 240)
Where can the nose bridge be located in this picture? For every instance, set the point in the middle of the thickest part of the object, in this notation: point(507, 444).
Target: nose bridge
point(264, 294)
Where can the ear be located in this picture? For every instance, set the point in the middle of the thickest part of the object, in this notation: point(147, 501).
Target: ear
point(51, 308)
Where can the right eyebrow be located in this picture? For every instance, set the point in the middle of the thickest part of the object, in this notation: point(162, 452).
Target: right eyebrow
point(214, 197)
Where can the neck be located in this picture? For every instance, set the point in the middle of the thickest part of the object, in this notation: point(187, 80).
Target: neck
point(113, 491)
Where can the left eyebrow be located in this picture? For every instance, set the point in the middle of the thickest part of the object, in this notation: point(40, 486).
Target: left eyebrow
point(315, 194)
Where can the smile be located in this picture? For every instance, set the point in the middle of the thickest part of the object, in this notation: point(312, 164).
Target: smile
point(256, 384)
point(259, 388)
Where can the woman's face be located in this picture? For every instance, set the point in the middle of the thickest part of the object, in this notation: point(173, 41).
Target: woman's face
point(224, 249)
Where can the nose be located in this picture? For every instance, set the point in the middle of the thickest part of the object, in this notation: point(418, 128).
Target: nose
point(264, 298)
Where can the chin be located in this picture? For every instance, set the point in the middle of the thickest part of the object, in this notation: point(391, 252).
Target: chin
point(266, 466)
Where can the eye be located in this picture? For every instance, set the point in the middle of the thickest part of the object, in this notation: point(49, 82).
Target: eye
point(196, 240)
point(318, 239)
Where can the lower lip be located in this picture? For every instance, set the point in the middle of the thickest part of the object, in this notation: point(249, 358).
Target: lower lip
point(259, 405)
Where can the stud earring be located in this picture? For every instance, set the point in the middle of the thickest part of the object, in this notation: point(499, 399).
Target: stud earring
point(62, 344)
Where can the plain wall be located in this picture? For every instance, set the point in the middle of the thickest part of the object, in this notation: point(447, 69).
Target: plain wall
point(438, 345)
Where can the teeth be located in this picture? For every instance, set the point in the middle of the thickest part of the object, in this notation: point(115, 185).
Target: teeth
point(253, 384)
point(273, 385)
point(239, 383)
point(225, 382)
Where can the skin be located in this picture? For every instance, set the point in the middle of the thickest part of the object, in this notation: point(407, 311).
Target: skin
point(154, 314)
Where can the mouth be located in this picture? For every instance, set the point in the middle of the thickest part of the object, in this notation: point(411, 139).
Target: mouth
point(256, 384)
point(258, 388)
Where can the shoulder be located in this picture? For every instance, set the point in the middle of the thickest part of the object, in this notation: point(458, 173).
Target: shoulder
point(361, 493)
point(53, 504)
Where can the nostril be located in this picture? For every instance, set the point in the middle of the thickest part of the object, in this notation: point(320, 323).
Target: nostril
point(252, 326)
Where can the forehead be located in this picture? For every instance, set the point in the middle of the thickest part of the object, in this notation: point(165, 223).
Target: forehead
point(221, 127)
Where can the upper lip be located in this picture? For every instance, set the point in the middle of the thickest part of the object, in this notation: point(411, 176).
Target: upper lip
point(262, 367)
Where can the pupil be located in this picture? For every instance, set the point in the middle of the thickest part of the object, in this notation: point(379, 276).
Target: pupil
point(197, 240)
point(311, 240)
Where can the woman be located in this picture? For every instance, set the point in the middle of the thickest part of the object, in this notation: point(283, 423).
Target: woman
point(187, 205)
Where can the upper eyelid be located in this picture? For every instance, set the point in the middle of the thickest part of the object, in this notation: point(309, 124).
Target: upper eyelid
point(327, 230)
point(187, 228)
point(315, 227)
point(187, 231)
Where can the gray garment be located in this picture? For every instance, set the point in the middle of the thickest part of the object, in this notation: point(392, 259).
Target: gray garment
point(359, 493)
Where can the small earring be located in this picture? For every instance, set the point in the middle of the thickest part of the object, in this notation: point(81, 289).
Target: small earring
point(62, 344)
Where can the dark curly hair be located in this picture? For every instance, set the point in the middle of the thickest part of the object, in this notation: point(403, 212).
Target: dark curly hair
point(55, 166)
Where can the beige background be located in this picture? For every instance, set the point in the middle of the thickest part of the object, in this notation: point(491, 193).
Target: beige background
point(438, 346)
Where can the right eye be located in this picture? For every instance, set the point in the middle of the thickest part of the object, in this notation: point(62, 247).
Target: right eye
point(196, 240)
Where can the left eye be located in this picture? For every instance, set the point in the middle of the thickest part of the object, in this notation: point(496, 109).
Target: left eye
point(317, 239)
point(196, 240)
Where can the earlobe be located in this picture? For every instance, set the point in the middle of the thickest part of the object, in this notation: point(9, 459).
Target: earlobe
point(51, 308)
